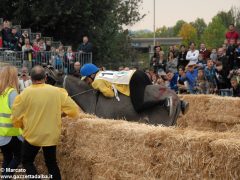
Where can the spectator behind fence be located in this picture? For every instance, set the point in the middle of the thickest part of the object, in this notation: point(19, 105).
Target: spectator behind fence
point(210, 73)
point(182, 57)
point(6, 34)
point(192, 54)
point(85, 46)
point(42, 45)
point(69, 59)
point(19, 44)
point(48, 45)
point(10, 137)
point(85, 50)
point(25, 35)
point(235, 87)
point(27, 50)
point(41, 127)
point(232, 34)
point(172, 63)
point(15, 38)
point(37, 38)
point(35, 46)
point(58, 60)
point(24, 80)
point(205, 53)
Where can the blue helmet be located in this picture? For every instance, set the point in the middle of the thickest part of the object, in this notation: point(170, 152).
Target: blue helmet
point(88, 69)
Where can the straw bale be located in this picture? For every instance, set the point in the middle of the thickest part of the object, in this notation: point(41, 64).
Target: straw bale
point(208, 112)
point(92, 148)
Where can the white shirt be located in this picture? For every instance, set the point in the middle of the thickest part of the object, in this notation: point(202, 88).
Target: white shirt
point(24, 84)
point(192, 56)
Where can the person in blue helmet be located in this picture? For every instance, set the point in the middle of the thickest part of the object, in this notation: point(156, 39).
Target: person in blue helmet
point(131, 83)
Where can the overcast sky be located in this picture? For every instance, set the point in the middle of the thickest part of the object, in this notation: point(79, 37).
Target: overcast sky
point(168, 12)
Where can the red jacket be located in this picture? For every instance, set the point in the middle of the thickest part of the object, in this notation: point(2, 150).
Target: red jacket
point(206, 53)
point(232, 35)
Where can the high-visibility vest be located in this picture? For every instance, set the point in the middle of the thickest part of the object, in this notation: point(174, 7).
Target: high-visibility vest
point(6, 125)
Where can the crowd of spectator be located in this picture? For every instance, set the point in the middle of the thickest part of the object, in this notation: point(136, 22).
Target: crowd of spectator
point(37, 50)
point(199, 71)
point(186, 70)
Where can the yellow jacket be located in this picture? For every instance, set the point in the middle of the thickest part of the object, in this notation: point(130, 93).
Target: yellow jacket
point(37, 110)
point(105, 87)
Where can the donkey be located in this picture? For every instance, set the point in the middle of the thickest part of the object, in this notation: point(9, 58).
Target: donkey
point(93, 102)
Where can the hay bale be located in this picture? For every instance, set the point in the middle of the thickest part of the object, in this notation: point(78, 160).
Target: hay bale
point(93, 148)
point(208, 112)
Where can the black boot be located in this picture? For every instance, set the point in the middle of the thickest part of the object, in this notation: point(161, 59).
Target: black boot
point(184, 107)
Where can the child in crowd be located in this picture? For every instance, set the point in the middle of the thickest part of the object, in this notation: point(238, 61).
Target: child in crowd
point(201, 62)
point(213, 55)
point(210, 74)
point(24, 80)
point(202, 84)
point(235, 87)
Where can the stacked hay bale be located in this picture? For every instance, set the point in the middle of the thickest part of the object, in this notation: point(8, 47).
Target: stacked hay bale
point(211, 113)
point(93, 148)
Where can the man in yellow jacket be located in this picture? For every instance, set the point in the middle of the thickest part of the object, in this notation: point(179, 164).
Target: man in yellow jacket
point(37, 110)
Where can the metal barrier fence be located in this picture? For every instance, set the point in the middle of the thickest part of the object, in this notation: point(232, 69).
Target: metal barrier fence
point(62, 61)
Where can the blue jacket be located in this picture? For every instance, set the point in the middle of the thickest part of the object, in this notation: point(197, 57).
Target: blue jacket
point(191, 78)
point(173, 82)
point(210, 75)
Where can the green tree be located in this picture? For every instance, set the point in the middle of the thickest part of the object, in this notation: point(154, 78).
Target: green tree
point(235, 11)
point(142, 34)
point(188, 33)
point(177, 27)
point(164, 32)
point(227, 18)
point(214, 34)
point(200, 25)
point(68, 21)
